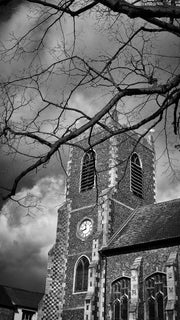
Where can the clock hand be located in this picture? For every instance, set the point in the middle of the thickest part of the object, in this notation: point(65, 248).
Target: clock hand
point(83, 227)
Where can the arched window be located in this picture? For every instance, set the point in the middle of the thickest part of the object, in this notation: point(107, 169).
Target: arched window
point(81, 275)
point(27, 315)
point(160, 305)
point(156, 293)
point(136, 176)
point(151, 307)
point(120, 298)
point(116, 309)
point(88, 171)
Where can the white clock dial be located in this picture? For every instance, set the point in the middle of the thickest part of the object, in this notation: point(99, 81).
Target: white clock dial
point(85, 228)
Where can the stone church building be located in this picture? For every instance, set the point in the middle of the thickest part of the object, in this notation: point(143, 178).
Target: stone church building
point(116, 255)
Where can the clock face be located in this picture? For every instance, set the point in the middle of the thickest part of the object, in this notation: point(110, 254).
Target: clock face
point(85, 228)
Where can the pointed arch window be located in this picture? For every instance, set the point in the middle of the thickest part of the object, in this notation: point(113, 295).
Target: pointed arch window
point(136, 176)
point(120, 298)
point(156, 295)
point(88, 171)
point(116, 309)
point(27, 315)
point(81, 275)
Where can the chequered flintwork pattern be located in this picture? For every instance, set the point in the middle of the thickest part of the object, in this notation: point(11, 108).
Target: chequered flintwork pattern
point(51, 307)
point(49, 270)
point(95, 309)
point(54, 300)
point(100, 292)
point(90, 309)
point(96, 306)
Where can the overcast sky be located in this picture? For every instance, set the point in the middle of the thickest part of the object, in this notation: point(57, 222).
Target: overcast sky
point(26, 236)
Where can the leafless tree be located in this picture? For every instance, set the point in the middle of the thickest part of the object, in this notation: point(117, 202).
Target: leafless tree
point(108, 50)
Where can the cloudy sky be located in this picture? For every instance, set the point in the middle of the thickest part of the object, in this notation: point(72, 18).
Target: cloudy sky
point(26, 235)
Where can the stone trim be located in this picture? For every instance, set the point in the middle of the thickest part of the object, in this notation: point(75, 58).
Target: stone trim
point(102, 285)
point(82, 208)
point(68, 171)
point(106, 218)
point(113, 169)
point(171, 286)
point(135, 273)
point(123, 226)
point(90, 299)
point(122, 204)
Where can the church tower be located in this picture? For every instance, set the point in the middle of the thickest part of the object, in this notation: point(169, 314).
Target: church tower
point(104, 185)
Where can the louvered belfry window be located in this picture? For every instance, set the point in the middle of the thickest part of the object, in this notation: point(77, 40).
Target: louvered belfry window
point(81, 276)
point(156, 295)
point(136, 176)
point(88, 171)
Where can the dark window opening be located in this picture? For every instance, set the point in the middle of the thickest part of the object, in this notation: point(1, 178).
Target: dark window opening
point(120, 298)
point(88, 171)
point(81, 276)
point(124, 307)
point(117, 310)
point(151, 305)
point(160, 305)
point(136, 176)
point(156, 294)
point(27, 315)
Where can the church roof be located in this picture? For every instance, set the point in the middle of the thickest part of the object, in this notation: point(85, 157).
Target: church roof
point(148, 227)
point(19, 297)
point(5, 300)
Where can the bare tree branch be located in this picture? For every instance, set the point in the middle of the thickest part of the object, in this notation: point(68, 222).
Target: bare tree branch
point(104, 54)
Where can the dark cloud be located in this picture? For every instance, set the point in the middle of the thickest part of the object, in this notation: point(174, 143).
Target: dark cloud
point(26, 239)
point(9, 169)
point(11, 166)
point(8, 8)
point(22, 266)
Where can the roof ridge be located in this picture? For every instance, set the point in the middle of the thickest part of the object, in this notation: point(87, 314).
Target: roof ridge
point(158, 203)
point(146, 226)
point(167, 201)
point(123, 225)
point(121, 203)
point(5, 286)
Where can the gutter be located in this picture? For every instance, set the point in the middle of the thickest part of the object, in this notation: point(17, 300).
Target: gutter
point(151, 245)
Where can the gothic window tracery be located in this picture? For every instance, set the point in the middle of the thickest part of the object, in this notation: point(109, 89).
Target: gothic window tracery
point(81, 275)
point(136, 176)
point(120, 298)
point(27, 315)
point(88, 171)
point(156, 293)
